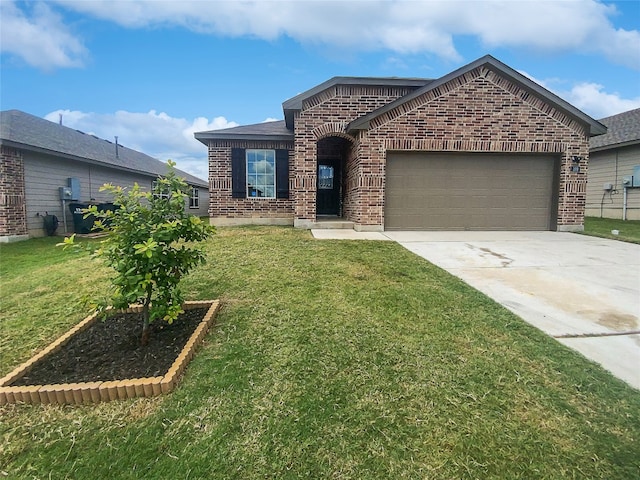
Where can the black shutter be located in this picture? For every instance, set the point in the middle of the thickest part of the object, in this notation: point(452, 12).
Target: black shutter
point(282, 173)
point(238, 173)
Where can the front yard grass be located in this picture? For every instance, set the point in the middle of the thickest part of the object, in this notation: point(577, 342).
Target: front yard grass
point(628, 230)
point(330, 359)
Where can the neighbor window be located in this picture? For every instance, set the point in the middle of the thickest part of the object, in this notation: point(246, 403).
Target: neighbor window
point(159, 191)
point(194, 199)
point(261, 173)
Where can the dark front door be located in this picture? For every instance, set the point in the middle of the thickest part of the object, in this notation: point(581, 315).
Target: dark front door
point(328, 199)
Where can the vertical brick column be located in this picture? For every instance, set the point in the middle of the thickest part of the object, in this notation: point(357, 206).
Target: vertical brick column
point(13, 212)
point(572, 197)
point(305, 166)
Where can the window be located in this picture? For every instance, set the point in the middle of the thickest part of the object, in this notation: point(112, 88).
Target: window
point(159, 191)
point(245, 178)
point(325, 177)
point(261, 173)
point(194, 200)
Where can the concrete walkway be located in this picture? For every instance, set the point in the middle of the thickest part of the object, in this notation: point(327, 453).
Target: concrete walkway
point(584, 291)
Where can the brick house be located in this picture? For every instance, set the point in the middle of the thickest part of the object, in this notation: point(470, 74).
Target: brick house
point(482, 148)
point(613, 189)
point(38, 157)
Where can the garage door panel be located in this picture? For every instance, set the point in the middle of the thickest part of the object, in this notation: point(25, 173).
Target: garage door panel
point(429, 191)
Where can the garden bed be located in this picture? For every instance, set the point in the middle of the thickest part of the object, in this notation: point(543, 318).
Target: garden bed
point(101, 361)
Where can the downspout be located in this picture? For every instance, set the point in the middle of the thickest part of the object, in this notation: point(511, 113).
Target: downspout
point(64, 215)
point(624, 203)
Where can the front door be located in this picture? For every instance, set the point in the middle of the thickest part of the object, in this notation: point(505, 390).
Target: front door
point(328, 198)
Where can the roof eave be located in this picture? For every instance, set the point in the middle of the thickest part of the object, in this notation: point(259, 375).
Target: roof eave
point(613, 146)
point(597, 128)
point(204, 137)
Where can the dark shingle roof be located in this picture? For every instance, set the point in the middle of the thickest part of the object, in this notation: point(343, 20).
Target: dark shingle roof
point(595, 128)
point(622, 129)
point(22, 130)
point(259, 131)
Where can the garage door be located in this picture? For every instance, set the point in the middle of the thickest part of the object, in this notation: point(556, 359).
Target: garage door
point(427, 191)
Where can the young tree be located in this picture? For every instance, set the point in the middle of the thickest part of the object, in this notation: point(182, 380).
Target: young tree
point(149, 245)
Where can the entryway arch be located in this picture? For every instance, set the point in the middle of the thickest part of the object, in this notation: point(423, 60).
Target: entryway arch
point(333, 154)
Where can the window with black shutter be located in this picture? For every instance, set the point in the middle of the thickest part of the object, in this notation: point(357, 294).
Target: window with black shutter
point(259, 173)
point(238, 173)
point(282, 173)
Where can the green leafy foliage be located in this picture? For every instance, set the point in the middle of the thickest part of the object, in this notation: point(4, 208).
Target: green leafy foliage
point(150, 245)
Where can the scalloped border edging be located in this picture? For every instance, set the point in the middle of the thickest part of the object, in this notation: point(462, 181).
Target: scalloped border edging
point(94, 392)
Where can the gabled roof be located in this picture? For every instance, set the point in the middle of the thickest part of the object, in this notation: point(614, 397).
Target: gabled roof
point(295, 103)
point(259, 131)
point(623, 129)
point(28, 132)
point(595, 128)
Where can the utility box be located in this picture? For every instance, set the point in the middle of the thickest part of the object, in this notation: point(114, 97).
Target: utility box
point(607, 187)
point(65, 193)
point(74, 185)
point(635, 178)
point(627, 181)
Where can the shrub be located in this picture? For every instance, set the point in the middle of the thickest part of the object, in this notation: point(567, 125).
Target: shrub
point(150, 246)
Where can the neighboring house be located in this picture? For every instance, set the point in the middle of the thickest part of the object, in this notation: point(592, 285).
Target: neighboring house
point(38, 157)
point(614, 158)
point(482, 148)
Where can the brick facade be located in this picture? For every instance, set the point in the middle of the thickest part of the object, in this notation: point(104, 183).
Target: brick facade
point(325, 115)
point(221, 204)
point(12, 193)
point(480, 110)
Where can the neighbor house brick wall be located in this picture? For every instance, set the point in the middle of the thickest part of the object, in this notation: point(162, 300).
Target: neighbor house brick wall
point(12, 198)
point(480, 111)
point(327, 114)
point(221, 203)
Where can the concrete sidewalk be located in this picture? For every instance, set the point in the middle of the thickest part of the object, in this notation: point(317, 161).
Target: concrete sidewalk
point(582, 290)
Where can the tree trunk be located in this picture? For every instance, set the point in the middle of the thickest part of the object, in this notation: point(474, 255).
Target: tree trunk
point(144, 340)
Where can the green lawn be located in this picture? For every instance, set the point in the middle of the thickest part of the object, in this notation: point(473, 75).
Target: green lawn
point(628, 230)
point(330, 359)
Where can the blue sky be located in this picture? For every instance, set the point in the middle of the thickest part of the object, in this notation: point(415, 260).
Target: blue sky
point(153, 72)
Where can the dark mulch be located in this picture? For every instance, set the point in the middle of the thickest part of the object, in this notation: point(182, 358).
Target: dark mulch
point(111, 350)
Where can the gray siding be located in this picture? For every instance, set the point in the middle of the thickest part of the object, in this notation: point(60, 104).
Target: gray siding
point(609, 167)
point(203, 204)
point(45, 173)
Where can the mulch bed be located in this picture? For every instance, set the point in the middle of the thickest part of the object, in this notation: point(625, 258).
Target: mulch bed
point(110, 350)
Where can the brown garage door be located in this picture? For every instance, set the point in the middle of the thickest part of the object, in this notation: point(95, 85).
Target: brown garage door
point(440, 191)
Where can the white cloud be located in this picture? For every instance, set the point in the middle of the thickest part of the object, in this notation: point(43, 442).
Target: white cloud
point(39, 37)
point(156, 134)
point(581, 26)
point(589, 97)
point(270, 119)
point(592, 99)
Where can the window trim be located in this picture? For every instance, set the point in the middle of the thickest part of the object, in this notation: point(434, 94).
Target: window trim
point(273, 174)
point(154, 187)
point(194, 198)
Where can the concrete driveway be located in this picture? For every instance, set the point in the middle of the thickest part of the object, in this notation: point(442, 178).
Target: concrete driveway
point(584, 291)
